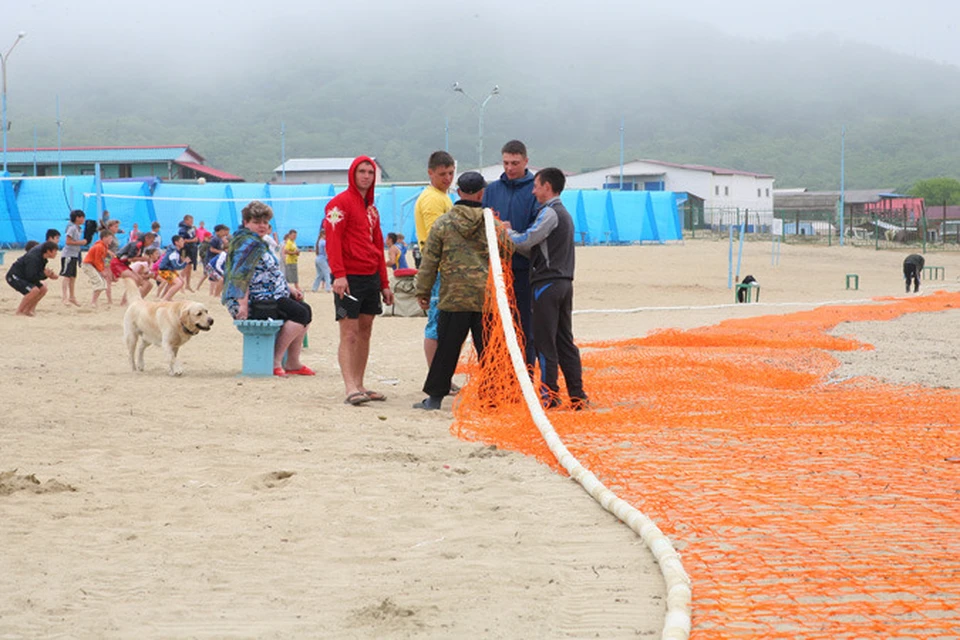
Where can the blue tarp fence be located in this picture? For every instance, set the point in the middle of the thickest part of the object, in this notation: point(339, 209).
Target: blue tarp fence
point(29, 207)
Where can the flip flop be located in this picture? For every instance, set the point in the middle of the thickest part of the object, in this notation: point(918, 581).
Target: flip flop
point(375, 395)
point(280, 373)
point(357, 398)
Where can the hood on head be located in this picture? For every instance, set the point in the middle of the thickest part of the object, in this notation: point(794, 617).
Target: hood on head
point(352, 177)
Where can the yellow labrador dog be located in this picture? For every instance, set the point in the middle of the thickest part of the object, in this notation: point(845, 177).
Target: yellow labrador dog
point(168, 324)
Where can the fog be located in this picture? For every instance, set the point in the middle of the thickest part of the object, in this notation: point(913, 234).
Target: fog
point(210, 37)
point(342, 75)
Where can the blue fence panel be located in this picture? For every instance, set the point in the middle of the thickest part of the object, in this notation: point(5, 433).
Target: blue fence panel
point(75, 189)
point(42, 205)
point(241, 194)
point(300, 207)
point(669, 225)
point(172, 201)
point(127, 202)
point(600, 216)
point(630, 210)
point(595, 204)
point(396, 204)
point(11, 230)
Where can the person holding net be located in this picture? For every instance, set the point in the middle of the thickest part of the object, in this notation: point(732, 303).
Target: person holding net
point(456, 253)
point(549, 241)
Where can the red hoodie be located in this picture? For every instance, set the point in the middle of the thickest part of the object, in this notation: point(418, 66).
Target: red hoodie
point(354, 237)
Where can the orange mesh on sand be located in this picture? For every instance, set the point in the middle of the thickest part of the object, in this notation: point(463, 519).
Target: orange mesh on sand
point(803, 506)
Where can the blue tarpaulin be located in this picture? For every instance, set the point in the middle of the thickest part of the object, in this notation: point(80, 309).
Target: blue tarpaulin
point(29, 207)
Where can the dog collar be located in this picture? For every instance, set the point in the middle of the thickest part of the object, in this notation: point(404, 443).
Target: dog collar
point(192, 333)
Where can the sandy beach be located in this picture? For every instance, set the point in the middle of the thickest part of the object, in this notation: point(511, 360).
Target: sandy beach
point(211, 505)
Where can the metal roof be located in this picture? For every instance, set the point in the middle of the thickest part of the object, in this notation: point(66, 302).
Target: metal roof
point(322, 164)
point(210, 171)
point(90, 155)
point(706, 168)
point(850, 196)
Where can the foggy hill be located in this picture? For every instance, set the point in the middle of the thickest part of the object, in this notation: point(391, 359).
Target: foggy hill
point(686, 92)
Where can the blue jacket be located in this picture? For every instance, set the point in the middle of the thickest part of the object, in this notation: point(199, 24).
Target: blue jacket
point(513, 200)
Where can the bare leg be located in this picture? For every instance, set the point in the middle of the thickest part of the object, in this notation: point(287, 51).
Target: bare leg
point(69, 291)
point(429, 350)
point(289, 341)
point(29, 302)
point(187, 273)
point(173, 288)
point(354, 350)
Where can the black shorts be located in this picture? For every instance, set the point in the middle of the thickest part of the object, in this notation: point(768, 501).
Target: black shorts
point(282, 309)
point(190, 253)
point(21, 285)
point(364, 298)
point(68, 267)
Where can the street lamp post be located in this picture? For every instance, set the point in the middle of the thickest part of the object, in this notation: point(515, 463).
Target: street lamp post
point(3, 94)
point(481, 105)
point(283, 153)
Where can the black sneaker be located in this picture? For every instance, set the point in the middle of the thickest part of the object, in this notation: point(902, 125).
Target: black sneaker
point(550, 402)
point(429, 404)
point(579, 404)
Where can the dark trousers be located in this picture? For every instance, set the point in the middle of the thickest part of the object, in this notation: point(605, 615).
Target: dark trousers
point(911, 273)
point(452, 330)
point(523, 296)
point(553, 332)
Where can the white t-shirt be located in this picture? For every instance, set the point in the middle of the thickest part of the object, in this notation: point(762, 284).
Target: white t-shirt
point(74, 232)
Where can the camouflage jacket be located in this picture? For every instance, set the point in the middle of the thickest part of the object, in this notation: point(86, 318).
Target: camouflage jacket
point(457, 250)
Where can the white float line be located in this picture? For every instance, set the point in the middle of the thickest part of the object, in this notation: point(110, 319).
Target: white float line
point(748, 305)
point(18, 178)
point(117, 196)
point(679, 593)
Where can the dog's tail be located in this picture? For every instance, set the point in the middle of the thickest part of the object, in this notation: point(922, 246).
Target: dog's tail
point(133, 291)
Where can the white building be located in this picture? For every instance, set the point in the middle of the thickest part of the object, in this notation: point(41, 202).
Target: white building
point(720, 189)
point(320, 171)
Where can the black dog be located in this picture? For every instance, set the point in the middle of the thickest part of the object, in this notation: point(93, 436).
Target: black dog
point(742, 293)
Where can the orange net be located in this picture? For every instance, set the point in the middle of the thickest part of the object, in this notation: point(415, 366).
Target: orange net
point(802, 506)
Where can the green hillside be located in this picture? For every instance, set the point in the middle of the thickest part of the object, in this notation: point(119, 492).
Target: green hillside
point(686, 94)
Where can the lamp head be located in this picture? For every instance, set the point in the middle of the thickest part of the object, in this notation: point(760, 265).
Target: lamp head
point(496, 90)
point(22, 34)
point(456, 87)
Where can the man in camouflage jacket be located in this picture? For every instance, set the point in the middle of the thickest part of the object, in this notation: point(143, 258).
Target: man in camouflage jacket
point(456, 249)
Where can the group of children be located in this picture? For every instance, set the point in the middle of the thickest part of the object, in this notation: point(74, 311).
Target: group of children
point(104, 262)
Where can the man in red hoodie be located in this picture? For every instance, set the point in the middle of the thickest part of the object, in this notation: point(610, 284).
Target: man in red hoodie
point(355, 254)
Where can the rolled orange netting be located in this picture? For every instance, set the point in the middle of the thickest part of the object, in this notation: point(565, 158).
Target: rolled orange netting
point(803, 506)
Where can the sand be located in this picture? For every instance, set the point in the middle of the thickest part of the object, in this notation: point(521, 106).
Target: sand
point(140, 505)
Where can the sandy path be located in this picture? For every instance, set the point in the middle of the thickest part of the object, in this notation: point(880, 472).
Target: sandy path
point(216, 506)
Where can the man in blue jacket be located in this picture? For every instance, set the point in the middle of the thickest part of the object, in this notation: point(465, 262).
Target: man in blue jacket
point(512, 198)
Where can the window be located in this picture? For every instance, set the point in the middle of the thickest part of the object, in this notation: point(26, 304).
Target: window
point(726, 191)
point(716, 190)
point(758, 193)
point(768, 193)
point(125, 171)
